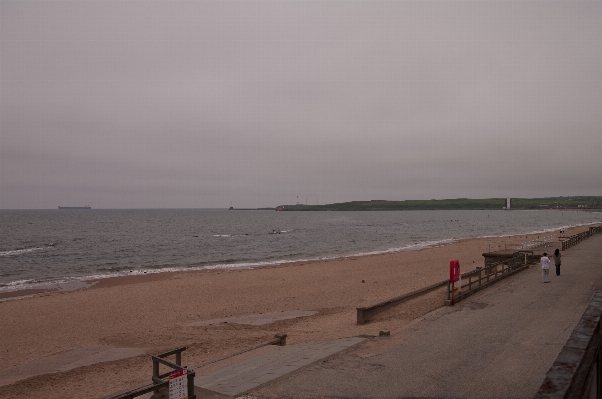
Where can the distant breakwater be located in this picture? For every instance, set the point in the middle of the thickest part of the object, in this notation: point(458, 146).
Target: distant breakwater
point(251, 209)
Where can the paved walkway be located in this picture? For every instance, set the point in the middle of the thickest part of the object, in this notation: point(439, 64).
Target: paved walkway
point(498, 343)
point(257, 319)
point(268, 366)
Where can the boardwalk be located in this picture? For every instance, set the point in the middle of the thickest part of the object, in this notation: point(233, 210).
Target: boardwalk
point(499, 343)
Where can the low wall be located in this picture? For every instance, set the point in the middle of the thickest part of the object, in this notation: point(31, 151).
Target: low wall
point(577, 371)
point(365, 314)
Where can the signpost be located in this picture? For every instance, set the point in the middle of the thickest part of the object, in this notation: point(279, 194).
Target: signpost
point(178, 384)
point(454, 275)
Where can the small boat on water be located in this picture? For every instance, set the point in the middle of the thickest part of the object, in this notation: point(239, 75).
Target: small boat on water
point(75, 207)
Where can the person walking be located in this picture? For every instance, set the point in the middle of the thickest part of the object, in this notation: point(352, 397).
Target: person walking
point(556, 257)
point(545, 268)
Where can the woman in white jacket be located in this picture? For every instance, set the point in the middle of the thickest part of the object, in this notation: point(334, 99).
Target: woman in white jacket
point(545, 268)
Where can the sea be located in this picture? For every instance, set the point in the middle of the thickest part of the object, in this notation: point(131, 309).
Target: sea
point(39, 248)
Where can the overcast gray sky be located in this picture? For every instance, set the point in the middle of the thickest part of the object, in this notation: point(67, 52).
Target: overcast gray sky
point(153, 104)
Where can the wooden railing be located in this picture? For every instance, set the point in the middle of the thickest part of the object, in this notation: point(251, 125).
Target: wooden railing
point(535, 243)
point(577, 238)
point(480, 278)
point(472, 282)
point(161, 381)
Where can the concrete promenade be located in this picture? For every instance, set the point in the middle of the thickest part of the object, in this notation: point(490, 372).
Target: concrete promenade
point(270, 365)
point(499, 343)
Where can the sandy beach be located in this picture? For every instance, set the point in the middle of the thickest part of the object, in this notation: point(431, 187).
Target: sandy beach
point(144, 315)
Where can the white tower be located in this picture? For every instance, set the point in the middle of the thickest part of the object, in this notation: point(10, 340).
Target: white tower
point(508, 203)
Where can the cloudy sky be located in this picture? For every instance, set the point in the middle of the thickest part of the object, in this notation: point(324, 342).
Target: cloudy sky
point(197, 104)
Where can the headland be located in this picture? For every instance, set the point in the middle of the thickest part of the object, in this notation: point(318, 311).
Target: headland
point(573, 202)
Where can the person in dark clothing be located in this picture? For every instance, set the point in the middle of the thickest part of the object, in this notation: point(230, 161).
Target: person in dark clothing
point(557, 261)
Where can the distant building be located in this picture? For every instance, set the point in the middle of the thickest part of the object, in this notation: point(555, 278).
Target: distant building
point(508, 203)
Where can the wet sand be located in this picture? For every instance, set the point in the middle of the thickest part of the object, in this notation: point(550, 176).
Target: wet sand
point(157, 312)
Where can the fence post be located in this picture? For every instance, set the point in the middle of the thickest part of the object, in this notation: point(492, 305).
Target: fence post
point(190, 387)
point(282, 338)
point(155, 370)
point(155, 374)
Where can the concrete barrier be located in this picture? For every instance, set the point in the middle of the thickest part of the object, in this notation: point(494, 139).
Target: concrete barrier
point(365, 314)
point(577, 371)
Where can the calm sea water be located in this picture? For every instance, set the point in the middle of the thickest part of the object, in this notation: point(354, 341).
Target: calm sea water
point(40, 246)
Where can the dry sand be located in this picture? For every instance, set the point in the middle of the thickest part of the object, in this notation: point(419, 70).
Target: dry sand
point(156, 312)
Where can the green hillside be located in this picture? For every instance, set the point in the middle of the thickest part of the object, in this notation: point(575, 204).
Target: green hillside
point(581, 202)
point(558, 202)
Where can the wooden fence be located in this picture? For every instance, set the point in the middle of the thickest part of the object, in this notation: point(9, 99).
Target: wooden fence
point(476, 280)
point(161, 381)
point(535, 243)
point(473, 281)
point(577, 238)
